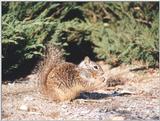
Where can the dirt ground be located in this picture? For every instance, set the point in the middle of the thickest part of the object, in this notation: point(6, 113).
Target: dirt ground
point(131, 93)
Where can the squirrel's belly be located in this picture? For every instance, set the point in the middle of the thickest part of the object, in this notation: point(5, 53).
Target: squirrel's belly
point(68, 95)
point(63, 95)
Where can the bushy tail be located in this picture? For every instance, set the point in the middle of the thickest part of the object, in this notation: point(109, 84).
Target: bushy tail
point(53, 55)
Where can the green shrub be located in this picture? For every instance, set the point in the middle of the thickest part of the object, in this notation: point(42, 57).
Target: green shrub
point(116, 32)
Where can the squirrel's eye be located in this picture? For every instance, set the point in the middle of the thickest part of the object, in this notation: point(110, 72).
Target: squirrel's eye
point(96, 67)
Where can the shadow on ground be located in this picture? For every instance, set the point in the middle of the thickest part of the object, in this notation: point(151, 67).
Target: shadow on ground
point(95, 95)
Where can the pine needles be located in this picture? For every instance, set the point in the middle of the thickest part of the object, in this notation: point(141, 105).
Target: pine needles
point(119, 32)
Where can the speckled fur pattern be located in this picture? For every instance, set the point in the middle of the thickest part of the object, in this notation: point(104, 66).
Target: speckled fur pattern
point(62, 80)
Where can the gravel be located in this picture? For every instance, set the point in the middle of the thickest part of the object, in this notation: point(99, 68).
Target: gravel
point(135, 99)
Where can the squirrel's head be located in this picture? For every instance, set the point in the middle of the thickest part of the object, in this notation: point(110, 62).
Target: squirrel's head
point(92, 74)
point(91, 66)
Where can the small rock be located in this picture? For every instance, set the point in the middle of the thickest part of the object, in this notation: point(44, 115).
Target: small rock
point(54, 115)
point(23, 108)
point(32, 109)
point(11, 84)
point(28, 98)
point(117, 118)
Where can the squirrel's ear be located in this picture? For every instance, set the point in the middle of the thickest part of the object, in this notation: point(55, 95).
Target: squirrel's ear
point(87, 59)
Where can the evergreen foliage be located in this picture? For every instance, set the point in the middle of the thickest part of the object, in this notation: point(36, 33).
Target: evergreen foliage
point(113, 31)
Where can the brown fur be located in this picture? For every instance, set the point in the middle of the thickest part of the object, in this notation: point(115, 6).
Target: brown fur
point(62, 81)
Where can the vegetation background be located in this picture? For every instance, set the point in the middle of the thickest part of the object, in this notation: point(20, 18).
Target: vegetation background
point(116, 32)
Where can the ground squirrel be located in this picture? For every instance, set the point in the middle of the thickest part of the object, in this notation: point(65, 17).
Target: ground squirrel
point(60, 80)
